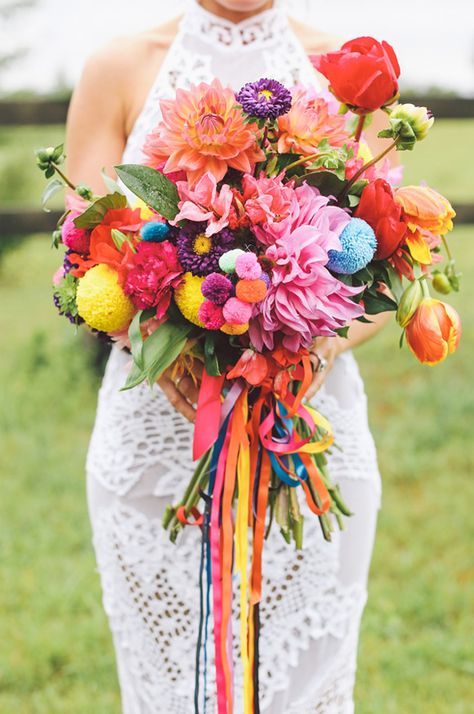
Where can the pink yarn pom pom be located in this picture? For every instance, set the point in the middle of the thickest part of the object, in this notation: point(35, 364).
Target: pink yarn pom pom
point(74, 238)
point(58, 275)
point(211, 315)
point(247, 267)
point(237, 312)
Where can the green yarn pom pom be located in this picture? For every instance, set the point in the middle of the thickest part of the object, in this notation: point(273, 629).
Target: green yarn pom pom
point(228, 260)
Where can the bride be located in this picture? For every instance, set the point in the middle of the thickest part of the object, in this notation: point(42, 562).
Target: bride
point(140, 457)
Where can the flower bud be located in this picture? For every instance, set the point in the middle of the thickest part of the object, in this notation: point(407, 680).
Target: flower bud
point(409, 302)
point(441, 283)
point(419, 118)
point(434, 331)
point(408, 124)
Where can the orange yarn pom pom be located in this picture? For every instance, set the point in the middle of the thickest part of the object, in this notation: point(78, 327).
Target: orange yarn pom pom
point(234, 329)
point(251, 290)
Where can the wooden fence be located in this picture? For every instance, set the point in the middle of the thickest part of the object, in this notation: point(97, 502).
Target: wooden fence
point(23, 221)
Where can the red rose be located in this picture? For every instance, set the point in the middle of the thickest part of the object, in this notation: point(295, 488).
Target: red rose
point(362, 74)
point(378, 207)
point(153, 271)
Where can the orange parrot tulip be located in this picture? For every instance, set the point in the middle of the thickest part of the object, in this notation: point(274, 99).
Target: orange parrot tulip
point(428, 215)
point(434, 331)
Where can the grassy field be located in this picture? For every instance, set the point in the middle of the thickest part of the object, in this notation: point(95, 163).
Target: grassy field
point(55, 649)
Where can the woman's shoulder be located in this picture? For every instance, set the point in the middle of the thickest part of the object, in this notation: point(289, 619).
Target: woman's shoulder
point(314, 40)
point(128, 55)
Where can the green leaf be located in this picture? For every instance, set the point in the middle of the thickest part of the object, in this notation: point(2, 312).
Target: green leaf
point(342, 331)
point(136, 339)
point(58, 154)
point(211, 361)
point(151, 186)
point(363, 319)
point(51, 190)
point(353, 201)
point(169, 341)
point(326, 181)
point(400, 343)
point(112, 185)
point(94, 215)
point(135, 377)
point(394, 282)
point(376, 302)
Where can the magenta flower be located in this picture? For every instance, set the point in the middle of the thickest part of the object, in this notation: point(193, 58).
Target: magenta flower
point(154, 272)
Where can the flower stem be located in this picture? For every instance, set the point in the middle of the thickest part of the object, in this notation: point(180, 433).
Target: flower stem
point(302, 160)
point(360, 127)
point(64, 177)
point(446, 247)
point(366, 166)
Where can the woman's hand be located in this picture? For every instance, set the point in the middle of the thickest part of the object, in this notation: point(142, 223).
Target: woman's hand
point(182, 394)
point(324, 350)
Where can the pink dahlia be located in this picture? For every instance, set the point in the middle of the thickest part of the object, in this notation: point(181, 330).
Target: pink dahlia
point(310, 120)
point(304, 300)
point(154, 271)
point(203, 129)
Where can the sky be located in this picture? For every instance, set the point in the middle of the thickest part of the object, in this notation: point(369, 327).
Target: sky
point(434, 39)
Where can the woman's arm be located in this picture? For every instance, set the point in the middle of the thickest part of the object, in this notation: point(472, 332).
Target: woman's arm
point(99, 118)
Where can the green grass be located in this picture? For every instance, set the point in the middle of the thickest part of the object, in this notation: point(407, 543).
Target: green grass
point(55, 649)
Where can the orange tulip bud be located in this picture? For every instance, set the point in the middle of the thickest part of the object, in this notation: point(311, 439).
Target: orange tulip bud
point(434, 331)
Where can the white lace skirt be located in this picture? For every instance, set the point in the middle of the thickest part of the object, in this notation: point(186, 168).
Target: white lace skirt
point(139, 461)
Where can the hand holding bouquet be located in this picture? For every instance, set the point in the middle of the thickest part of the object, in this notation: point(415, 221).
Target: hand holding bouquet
point(261, 221)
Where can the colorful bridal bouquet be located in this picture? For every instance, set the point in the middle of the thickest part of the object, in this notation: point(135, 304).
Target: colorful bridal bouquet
point(260, 222)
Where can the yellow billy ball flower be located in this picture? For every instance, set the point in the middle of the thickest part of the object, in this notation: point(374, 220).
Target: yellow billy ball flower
point(189, 298)
point(235, 329)
point(101, 302)
point(146, 214)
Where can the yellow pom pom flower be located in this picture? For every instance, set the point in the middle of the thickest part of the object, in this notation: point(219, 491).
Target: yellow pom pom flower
point(101, 302)
point(235, 329)
point(189, 298)
point(146, 214)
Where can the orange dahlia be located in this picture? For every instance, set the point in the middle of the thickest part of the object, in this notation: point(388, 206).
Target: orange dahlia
point(428, 215)
point(307, 123)
point(203, 129)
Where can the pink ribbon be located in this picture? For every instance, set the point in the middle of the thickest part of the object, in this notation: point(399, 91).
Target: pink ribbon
point(208, 414)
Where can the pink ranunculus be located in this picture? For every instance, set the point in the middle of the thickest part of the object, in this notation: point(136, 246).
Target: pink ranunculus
point(154, 271)
point(304, 299)
point(205, 203)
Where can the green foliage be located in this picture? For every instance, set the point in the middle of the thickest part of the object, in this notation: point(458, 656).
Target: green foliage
point(93, 215)
point(66, 293)
point(151, 186)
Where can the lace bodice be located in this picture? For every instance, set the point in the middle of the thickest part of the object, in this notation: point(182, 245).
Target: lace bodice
point(139, 460)
point(207, 46)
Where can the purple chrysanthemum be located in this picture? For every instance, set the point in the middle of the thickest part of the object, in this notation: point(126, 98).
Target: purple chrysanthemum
point(265, 99)
point(199, 253)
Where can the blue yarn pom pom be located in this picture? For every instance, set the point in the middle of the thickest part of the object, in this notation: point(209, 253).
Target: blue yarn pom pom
point(358, 247)
point(155, 231)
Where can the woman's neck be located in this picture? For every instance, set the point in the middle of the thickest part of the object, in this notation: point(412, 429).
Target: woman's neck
point(233, 15)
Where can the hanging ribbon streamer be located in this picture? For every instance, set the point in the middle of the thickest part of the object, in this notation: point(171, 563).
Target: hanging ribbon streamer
point(248, 444)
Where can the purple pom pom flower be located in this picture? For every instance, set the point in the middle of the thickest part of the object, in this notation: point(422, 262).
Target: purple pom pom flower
point(198, 253)
point(265, 99)
point(217, 288)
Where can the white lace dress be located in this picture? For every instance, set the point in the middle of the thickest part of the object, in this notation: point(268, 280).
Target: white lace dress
point(139, 460)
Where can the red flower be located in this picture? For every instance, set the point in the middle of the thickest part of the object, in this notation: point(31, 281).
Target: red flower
point(153, 271)
point(378, 207)
point(362, 74)
point(102, 248)
point(252, 366)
